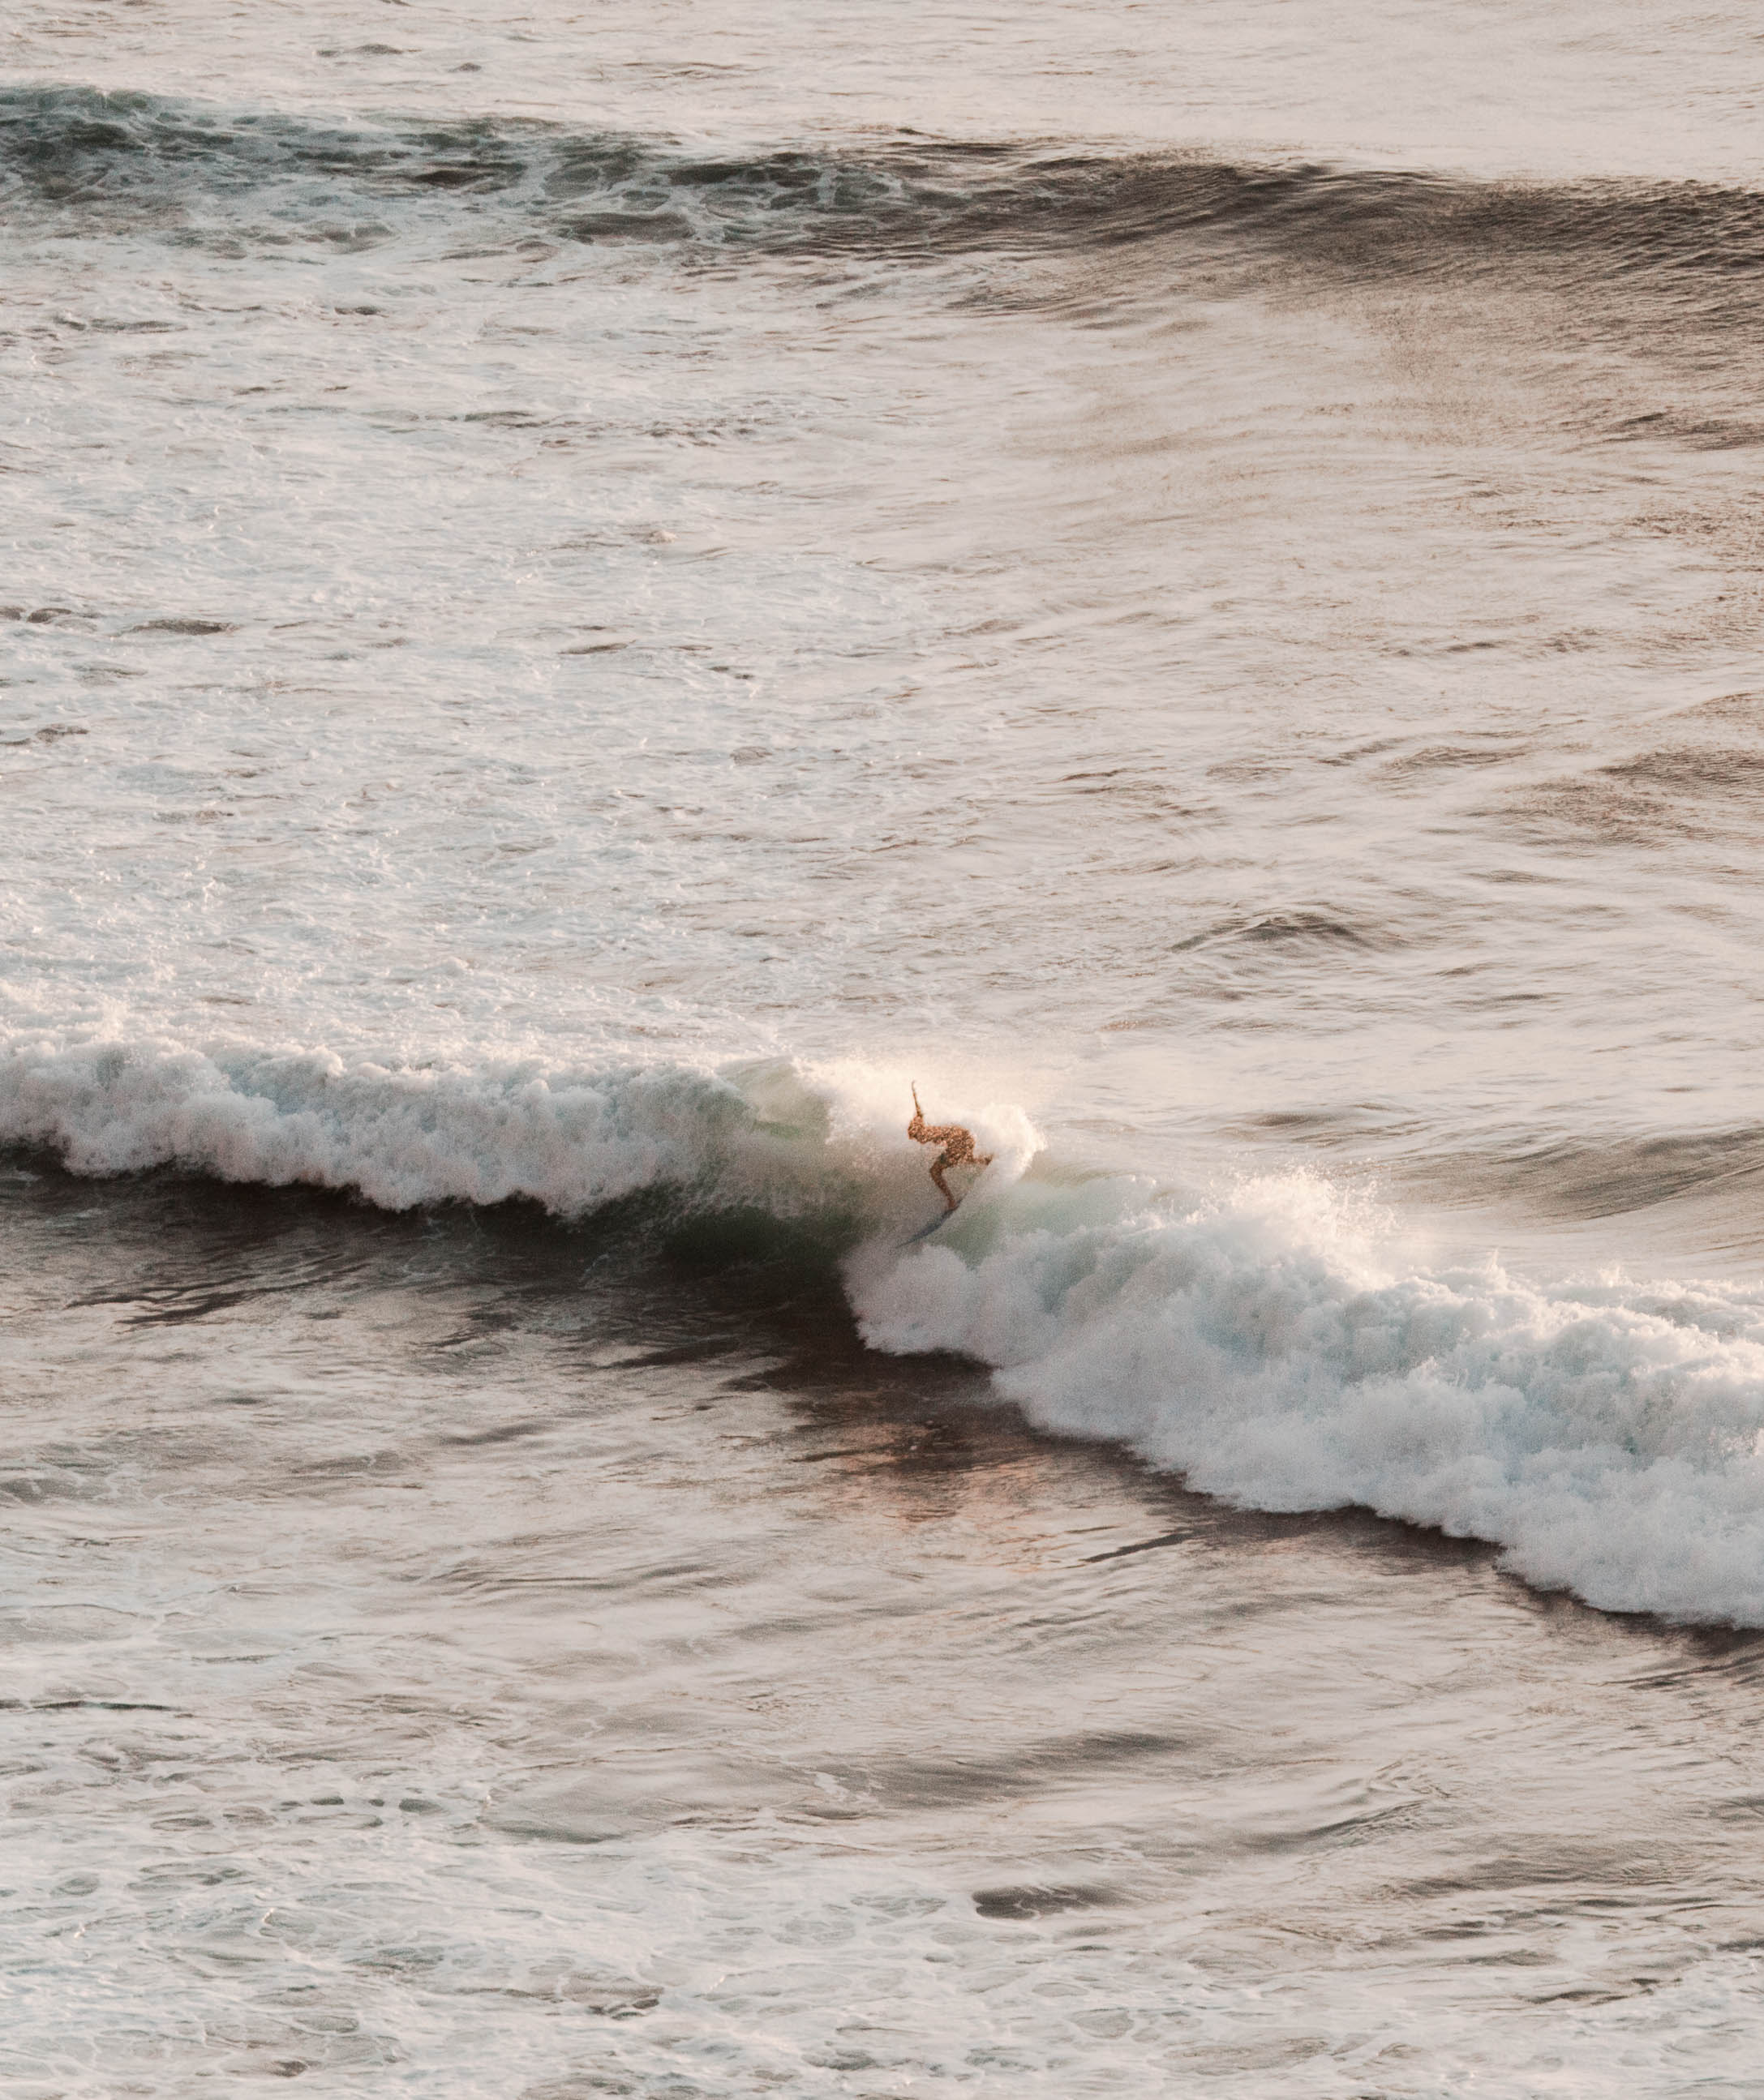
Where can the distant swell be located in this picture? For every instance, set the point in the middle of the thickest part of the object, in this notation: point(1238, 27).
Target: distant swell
point(110, 160)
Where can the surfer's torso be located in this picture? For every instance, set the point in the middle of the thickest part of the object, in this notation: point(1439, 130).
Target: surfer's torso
point(957, 1143)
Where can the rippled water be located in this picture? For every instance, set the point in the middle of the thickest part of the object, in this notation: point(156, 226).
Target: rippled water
point(589, 598)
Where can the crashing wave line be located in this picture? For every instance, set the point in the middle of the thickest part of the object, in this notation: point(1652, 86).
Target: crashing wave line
point(1276, 1344)
point(1274, 1348)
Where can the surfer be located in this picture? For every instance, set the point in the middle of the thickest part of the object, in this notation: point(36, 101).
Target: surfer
point(957, 1148)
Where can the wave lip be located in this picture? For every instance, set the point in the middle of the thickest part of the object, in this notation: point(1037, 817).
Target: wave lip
point(820, 1148)
point(1270, 1348)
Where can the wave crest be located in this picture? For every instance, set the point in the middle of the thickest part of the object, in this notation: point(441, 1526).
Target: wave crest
point(570, 1140)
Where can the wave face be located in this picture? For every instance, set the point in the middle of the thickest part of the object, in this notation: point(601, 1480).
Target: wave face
point(1275, 1347)
point(1271, 1344)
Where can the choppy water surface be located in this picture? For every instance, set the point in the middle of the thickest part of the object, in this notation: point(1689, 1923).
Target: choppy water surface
point(587, 599)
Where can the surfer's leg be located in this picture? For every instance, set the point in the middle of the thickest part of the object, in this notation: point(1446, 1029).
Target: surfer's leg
point(983, 1159)
point(937, 1175)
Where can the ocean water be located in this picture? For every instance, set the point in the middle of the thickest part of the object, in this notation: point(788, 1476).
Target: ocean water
point(590, 597)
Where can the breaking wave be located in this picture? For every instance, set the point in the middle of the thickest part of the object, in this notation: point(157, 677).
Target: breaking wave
point(1278, 1346)
point(1276, 1343)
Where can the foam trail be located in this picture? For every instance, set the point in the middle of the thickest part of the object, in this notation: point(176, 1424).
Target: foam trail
point(1274, 1349)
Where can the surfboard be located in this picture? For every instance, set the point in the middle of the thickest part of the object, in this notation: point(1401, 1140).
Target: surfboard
point(924, 1232)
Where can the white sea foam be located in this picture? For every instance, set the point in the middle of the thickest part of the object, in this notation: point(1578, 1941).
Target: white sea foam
point(570, 1140)
point(537, 570)
point(1276, 1348)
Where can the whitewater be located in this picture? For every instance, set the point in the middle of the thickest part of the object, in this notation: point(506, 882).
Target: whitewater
point(590, 602)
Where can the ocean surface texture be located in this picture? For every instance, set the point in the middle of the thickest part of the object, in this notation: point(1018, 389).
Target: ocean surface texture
point(592, 593)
